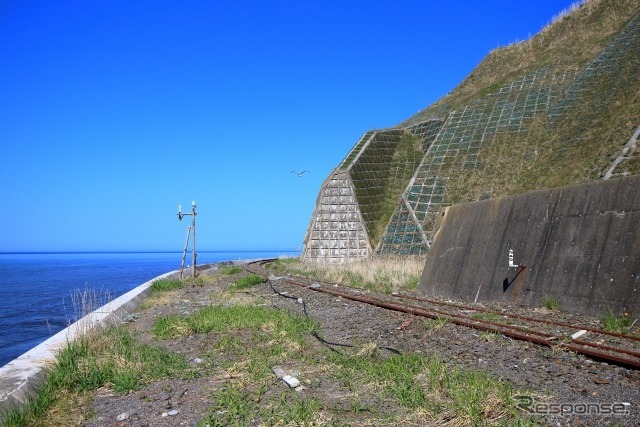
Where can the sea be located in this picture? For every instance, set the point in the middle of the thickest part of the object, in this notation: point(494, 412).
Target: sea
point(41, 293)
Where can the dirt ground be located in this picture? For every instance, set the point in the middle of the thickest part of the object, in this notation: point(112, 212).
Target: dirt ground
point(553, 377)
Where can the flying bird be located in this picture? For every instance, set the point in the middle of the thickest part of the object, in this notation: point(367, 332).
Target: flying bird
point(300, 174)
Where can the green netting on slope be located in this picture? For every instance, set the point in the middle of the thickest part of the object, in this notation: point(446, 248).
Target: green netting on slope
point(346, 163)
point(403, 237)
point(617, 64)
point(375, 170)
point(427, 131)
point(456, 147)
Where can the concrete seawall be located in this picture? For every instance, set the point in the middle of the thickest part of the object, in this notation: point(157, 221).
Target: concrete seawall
point(580, 244)
point(20, 378)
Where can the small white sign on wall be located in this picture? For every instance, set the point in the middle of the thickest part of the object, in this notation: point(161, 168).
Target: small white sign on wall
point(511, 264)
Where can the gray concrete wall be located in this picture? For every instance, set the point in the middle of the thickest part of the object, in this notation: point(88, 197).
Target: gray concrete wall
point(580, 244)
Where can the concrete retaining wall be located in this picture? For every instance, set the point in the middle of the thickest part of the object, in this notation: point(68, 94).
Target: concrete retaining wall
point(580, 244)
point(336, 232)
point(20, 378)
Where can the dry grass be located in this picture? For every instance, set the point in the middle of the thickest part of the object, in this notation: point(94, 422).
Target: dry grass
point(381, 274)
point(84, 303)
point(70, 410)
point(570, 40)
point(156, 299)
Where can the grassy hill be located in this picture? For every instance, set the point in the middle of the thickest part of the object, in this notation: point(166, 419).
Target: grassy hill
point(554, 110)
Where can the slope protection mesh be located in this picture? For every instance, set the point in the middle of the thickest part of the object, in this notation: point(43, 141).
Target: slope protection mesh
point(452, 144)
point(613, 69)
point(371, 172)
point(456, 147)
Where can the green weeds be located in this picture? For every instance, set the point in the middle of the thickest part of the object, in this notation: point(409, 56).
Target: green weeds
point(551, 303)
point(226, 319)
point(618, 324)
point(282, 265)
point(165, 285)
point(113, 358)
point(248, 281)
point(437, 323)
point(229, 270)
point(250, 340)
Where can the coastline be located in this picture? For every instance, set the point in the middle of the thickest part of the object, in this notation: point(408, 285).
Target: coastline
point(20, 378)
point(43, 294)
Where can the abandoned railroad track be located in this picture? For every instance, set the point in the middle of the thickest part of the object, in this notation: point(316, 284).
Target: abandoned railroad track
point(458, 350)
point(528, 325)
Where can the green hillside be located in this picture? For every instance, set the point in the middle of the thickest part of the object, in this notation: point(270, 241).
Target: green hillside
point(554, 110)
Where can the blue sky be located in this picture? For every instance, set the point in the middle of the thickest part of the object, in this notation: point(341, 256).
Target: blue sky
point(113, 112)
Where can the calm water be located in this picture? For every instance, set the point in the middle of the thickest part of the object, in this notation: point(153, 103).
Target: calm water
point(38, 292)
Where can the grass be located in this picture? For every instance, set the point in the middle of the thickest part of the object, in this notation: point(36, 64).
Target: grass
point(419, 389)
point(380, 274)
point(112, 358)
point(224, 319)
point(551, 303)
point(368, 386)
point(161, 292)
point(248, 281)
point(229, 270)
point(249, 341)
point(164, 285)
point(436, 324)
point(614, 323)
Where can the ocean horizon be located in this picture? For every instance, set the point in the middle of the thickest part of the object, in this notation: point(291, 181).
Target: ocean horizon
point(39, 291)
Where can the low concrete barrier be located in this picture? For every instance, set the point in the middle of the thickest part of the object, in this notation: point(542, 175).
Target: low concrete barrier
point(579, 244)
point(20, 378)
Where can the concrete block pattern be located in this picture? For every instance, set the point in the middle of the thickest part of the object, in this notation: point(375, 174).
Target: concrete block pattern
point(337, 232)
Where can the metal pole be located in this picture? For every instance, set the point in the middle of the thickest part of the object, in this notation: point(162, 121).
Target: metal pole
point(193, 229)
point(184, 253)
point(193, 226)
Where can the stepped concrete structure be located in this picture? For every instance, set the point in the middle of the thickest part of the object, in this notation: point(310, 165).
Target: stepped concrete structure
point(353, 197)
point(386, 196)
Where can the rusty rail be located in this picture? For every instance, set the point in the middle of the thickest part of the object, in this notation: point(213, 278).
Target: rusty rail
point(598, 351)
point(515, 316)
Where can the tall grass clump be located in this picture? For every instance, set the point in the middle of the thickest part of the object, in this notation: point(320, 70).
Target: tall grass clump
point(551, 302)
point(83, 304)
point(618, 324)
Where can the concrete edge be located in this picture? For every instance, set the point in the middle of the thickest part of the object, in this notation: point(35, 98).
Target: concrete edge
point(21, 378)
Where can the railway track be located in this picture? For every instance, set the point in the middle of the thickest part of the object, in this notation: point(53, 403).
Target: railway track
point(588, 340)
